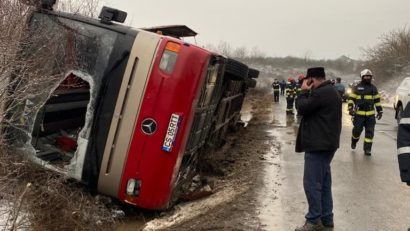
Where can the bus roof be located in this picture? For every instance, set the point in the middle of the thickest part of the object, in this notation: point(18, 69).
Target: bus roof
point(177, 31)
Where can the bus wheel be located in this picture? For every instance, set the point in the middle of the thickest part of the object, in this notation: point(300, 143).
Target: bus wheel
point(251, 83)
point(236, 69)
point(253, 73)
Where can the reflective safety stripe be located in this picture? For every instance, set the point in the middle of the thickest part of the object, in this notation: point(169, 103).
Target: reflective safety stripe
point(365, 113)
point(378, 104)
point(368, 140)
point(405, 121)
point(403, 150)
point(350, 101)
point(355, 138)
point(352, 95)
point(289, 109)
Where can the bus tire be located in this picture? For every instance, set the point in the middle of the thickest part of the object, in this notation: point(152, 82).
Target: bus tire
point(251, 83)
point(253, 73)
point(236, 69)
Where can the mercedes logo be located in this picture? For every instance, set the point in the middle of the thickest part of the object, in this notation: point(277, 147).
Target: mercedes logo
point(149, 126)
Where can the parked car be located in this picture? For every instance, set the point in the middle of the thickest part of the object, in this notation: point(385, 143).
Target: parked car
point(402, 98)
point(126, 111)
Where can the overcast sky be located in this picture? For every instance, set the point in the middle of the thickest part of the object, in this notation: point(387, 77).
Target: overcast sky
point(317, 28)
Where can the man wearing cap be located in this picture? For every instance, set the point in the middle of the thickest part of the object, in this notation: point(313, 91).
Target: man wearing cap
point(320, 106)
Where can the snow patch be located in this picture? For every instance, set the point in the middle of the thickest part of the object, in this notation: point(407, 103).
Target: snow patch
point(190, 210)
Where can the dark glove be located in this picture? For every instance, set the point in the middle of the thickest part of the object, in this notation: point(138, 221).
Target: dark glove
point(351, 111)
point(379, 115)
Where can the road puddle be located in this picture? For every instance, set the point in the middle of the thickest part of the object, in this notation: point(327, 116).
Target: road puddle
point(246, 113)
point(270, 208)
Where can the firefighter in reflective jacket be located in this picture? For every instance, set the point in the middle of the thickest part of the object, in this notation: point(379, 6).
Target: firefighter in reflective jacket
point(403, 145)
point(362, 101)
point(290, 95)
point(276, 89)
point(298, 89)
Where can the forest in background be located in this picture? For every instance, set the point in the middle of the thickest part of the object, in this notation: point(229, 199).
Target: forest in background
point(389, 59)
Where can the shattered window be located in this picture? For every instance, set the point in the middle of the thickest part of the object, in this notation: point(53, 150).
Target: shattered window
point(56, 88)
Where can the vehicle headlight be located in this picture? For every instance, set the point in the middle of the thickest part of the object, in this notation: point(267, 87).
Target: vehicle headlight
point(133, 187)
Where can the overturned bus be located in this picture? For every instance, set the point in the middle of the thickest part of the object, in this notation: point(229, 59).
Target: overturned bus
point(126, 111)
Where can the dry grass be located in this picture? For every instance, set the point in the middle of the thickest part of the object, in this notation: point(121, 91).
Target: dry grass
point(51, 202)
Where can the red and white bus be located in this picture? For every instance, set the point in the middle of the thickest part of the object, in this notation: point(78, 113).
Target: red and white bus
point(124, 110)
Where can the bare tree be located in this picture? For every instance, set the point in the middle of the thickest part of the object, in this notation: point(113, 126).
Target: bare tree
point(224, 48)
point(257, 53)
point(391, 55)
point(88, 8)
point(240, 52)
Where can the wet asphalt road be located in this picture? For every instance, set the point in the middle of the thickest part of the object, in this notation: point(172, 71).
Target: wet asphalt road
point(367, 191)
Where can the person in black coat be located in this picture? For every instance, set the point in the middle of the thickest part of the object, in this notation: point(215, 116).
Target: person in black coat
point(320, 106)
point(403, 145)
point(276, 89)
point(282, 87)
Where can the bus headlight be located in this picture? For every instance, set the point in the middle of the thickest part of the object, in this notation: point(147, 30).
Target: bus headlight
point(133, 187)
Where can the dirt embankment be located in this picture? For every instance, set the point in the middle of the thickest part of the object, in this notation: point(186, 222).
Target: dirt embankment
point(238, 177)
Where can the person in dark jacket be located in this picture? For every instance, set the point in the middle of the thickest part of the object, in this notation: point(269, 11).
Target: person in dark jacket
point(340, 88)
point(320, 106)
point(282, 87)
point(362, 101)
point(276, 88)
point(290, 95)
point(403, 145)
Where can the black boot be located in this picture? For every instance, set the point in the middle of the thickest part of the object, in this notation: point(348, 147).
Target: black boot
point(353, 145)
